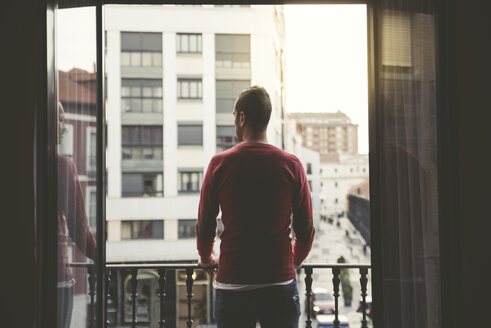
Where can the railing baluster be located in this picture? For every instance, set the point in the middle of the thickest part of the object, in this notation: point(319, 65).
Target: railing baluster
point(133, 285)
point(92, 281)
point(335, 283)
point(108, 293)
point(161, 295)
point(308, 293)
point(189, 289)
point(363, 283)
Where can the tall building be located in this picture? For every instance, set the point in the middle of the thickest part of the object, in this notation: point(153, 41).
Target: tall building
point(328, 133)
point(171, 82)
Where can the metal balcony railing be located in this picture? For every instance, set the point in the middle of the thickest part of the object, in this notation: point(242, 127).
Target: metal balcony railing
point(164, 268)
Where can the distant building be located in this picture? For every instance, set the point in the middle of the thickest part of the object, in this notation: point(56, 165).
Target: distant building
point(330, 134)
point(337, 177)
point(358, 208)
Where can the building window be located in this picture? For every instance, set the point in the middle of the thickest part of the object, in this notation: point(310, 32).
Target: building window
point(142, 142)
point(396, 32)
point(141, 49)
point(335, 184)
point(226, 137)
point(92, 206)
point(190, 135)
point(189, 89)
point(335, 201)
point(141, 95)
point(187, 229)
point(232, 50)
point(226, 93)
point(188, 43)
point(309, 168)
point(91, 149)
point(153, 229)
point(142, 184)
point(190, 181)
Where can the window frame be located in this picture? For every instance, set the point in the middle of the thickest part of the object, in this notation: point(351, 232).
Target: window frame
point(141, 145)
point(189, 173)
point(153, 194)
point(132, 229)
point(141, 97)
point(141, 51)
point(180, 84)
point(184, 124)
point(186, 236)
point(199, 43)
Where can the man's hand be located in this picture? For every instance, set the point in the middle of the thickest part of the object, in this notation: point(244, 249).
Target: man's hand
point(210, 266)
point(298, 266)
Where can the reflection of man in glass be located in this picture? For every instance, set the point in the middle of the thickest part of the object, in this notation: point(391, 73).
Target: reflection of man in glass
point(72, 228)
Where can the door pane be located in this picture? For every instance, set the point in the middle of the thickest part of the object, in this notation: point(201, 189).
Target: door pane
point(77, 171)
point(409, 194)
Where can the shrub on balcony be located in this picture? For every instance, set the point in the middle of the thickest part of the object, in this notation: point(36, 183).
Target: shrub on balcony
point(347, 293)
point(345, 283)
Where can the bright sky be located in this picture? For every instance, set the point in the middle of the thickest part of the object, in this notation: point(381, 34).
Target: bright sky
point(76, 38)
point(326, 55)
point(326, 58)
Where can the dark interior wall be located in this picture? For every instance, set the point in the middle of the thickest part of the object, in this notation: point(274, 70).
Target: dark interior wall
point(21, 25)
point(473, 85)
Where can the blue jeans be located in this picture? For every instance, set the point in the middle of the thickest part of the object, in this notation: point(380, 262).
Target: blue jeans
point(275, 306)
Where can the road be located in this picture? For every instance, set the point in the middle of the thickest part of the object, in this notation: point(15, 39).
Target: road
point(330, 243)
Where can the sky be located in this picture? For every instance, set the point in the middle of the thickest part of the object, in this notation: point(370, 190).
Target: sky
point(326, 62)
point(326, 57)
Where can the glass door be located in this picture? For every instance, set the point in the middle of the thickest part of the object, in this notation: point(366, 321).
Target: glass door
point(78, 162)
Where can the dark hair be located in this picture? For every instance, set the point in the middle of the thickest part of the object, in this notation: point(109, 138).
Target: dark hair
point(256, 104)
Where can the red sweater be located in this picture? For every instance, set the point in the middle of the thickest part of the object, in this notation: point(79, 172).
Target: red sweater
point(261, 190)
point(72, 218)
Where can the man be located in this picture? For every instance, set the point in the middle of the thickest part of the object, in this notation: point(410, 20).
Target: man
point(258, 187)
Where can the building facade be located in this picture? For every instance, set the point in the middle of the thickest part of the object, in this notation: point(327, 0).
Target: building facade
point(328, 133)
point(337, 178)
point(171, 84)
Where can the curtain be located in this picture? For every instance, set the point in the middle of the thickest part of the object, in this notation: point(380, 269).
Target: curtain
point(407, 146)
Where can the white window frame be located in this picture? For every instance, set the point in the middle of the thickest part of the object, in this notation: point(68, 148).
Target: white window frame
point(88, 147)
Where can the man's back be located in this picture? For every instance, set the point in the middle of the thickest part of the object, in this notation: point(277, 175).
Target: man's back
point(257, 186)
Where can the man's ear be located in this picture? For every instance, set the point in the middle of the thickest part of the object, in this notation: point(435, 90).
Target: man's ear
point(242, 119)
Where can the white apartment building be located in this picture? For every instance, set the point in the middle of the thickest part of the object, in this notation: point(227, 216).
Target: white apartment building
point(337, 178)
point(173, 73)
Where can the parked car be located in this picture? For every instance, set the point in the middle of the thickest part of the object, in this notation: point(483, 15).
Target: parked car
point(327, 321)
point(368, 309)
point(322, 302)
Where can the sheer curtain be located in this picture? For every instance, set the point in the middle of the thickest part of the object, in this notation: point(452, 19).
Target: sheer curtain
point(406, 112)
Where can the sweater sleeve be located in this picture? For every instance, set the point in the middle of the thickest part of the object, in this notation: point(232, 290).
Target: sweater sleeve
point(81, 233)
point(207, 215)
point(302, 217)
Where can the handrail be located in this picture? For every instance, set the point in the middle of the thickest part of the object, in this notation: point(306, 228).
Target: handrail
point(162, 268)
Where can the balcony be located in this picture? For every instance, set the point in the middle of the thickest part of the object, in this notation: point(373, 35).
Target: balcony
point(134, 310)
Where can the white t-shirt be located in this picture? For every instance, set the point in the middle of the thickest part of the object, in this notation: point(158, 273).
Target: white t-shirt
point(219, 285)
